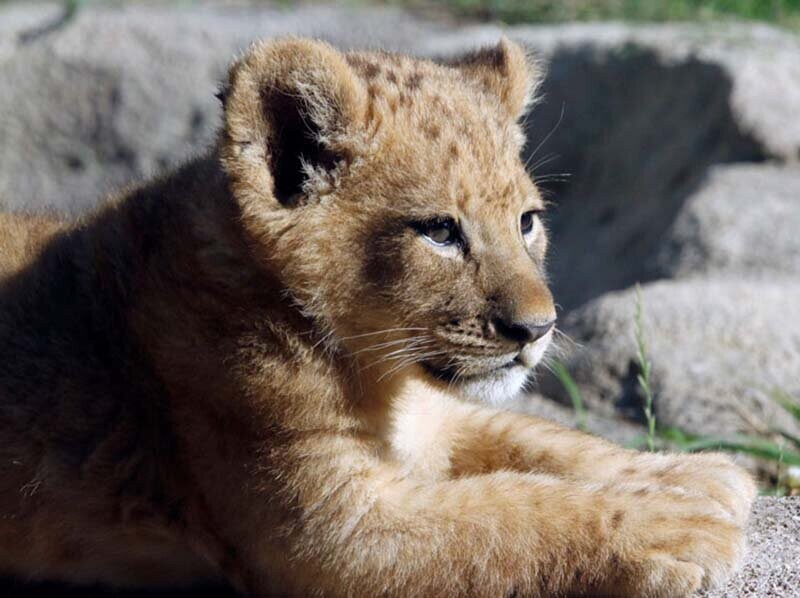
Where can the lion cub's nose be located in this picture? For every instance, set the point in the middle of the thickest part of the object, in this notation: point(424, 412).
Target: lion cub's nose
point(521, 332)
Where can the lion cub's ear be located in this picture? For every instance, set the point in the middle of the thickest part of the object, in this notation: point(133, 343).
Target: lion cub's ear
point(506, 73)
point(290, 105)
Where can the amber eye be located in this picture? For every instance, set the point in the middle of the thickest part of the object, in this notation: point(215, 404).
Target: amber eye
point(526, 221)
point(441, 232)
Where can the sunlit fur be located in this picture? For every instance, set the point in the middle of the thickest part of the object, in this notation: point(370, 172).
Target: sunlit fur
point(257, 368)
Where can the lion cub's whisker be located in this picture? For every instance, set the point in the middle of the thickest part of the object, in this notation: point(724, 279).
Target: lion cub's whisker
point(409, 362)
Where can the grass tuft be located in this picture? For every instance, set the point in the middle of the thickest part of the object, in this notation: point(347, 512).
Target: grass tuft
point(645, 368)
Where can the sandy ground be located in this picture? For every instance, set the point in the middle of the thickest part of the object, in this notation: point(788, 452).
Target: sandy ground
point(772, 565)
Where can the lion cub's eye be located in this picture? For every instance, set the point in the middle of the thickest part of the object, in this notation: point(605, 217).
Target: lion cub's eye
point(526, 221)
point(440, 232)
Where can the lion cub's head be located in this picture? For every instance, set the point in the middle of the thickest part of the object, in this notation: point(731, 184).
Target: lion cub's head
point(388, 196)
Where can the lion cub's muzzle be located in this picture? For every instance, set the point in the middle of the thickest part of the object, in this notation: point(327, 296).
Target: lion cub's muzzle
point(523, 332)
point(476, 349)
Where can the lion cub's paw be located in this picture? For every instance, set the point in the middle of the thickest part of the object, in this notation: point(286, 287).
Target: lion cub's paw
point(713, 475)
point(671, 543)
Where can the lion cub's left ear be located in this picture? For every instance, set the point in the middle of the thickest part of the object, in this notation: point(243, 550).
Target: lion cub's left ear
point(291, 108)
point(506, 73)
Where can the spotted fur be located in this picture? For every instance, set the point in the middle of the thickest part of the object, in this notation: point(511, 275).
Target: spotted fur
point(258, 368)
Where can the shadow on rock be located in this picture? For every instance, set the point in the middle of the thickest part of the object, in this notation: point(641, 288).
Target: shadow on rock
point(636, 138)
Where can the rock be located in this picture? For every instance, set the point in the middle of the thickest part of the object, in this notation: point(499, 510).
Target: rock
point(630, 122)
point(19, 17)
point(743, 219)
point(759, 63)
point(646, 108)
point(772, 563)
point(649, 115)
point(635, 145)
point(612, 427)
point(718, 347)
point(116, 95)
point(724, 337)
point(644, 118)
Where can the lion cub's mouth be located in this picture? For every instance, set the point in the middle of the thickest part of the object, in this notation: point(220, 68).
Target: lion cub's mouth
point(451, 374)
point(493, 379)
point(494, 384)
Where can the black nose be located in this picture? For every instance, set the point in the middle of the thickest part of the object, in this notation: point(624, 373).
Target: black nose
point(522, 332)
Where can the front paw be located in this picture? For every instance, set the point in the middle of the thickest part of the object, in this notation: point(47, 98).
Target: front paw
point(669, 543)
point(709, 474)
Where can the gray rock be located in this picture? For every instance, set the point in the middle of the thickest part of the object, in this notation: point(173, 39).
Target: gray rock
point(647, 109)
point(743, 219)
point(631, 121)
point(18, 18)
point(718, 347)
point(612, 427)
point(118, 94)
point(759, 62)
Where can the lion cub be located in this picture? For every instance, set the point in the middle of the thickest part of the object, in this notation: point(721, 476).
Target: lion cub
point(279, 364)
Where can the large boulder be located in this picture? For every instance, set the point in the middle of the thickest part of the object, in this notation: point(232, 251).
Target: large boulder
point(719, 348)
point(644, 119)
point(630, 122)
point(744, 220)
point(646, 109)
point(117, 94)
point(724, 330)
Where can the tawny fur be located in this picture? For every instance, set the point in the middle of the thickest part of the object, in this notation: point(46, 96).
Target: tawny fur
point(233, 371)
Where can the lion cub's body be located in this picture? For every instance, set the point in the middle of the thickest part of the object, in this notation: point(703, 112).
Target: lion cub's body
point(253, 369)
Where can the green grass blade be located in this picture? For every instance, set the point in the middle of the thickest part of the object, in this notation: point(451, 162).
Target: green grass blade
point(572, 390)
point(790, 437)
point(756, 447)
point(789, 403)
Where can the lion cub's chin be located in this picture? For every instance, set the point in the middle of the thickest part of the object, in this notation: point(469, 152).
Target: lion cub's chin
point(505, 384)
point(497, 387)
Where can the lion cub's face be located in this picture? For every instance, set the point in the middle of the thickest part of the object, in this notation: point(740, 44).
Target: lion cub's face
point(396, 207)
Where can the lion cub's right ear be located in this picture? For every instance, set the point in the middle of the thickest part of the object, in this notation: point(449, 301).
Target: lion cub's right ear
point(506, 73)
point(290, 106)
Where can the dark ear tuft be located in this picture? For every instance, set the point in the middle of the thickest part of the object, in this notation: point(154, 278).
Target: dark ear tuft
point(292, 108)
point(506, 73)
point(296, 146)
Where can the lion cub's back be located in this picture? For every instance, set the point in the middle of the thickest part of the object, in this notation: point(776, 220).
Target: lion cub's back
point(21, 237)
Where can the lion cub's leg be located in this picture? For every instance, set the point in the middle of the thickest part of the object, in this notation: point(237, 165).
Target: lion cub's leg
point(381, 533)
point(488, 440)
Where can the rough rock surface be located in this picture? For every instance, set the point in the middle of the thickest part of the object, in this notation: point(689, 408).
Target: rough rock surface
point(723, 329)
point(607, 425)
point(121, 93)
point(147, 74)
point(633, 118)
point(718, 346)
point(772, 564)
point(743, 220)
